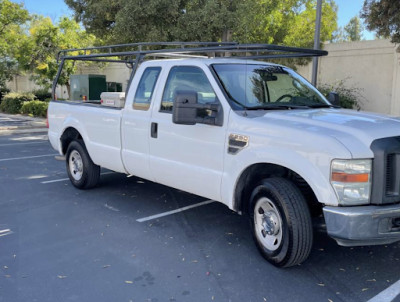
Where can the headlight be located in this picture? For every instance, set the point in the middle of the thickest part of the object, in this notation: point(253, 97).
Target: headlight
point(351, 180)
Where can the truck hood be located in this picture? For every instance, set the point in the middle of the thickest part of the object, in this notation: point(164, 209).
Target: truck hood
point(355, 130)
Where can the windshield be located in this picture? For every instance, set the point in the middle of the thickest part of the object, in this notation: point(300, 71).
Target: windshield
point(267, 87)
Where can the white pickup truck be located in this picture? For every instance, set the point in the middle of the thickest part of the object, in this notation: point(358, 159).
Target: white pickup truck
point(253, 135)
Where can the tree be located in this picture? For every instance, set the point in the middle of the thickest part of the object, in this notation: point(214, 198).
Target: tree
point(121, 21)
point(208, 20)
point(38, 53)
point(383, 17)
point(300, 30)
point(12, 17)
point(266, 21)
point(31, 43)
point(339, 35)
point(288, 22)
point(353, 29)
point(147, 20)
point(98, 17)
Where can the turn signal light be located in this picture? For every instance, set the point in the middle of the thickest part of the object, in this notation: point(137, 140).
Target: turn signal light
point(344, 177)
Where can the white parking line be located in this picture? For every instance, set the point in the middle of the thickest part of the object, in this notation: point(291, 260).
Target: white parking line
point(56, 180)
point(16, 144)
point(388, 294)
point(29, 138)
point(27, 157)
point(175, 211)
point(5, 232)
point(64, 179)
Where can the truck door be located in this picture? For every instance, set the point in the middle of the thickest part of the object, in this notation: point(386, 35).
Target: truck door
point(187, 157)
point(136, 124)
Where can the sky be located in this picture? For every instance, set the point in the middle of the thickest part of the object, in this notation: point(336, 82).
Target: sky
point(347, 10)
point(57, 8)
point(51, 8)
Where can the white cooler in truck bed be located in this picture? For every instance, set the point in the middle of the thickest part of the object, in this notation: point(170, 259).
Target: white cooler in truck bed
point(113, 99)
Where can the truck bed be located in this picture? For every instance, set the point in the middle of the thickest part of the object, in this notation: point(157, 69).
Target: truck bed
point(100, 127)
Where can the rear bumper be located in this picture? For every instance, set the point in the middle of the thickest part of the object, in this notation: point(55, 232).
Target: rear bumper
point(363, 225)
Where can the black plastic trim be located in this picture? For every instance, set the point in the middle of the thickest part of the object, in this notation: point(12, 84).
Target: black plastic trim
point(385, 187)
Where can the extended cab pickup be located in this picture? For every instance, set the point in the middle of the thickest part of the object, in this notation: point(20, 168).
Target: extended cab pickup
point(253, 135)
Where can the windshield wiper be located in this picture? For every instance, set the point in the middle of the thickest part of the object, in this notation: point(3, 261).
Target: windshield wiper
point(289, 107)
point(322, 106)
point(277, 107)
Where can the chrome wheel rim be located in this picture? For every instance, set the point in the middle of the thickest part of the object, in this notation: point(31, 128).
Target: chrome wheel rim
point(268, 224)
point(76, 165)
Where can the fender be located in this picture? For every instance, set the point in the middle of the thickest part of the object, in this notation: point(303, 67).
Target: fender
point(72, 122)
point(304, 164)
point(60, 118)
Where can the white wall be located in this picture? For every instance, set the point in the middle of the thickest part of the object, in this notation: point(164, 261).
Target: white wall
point(22, 84)
point(372, 66)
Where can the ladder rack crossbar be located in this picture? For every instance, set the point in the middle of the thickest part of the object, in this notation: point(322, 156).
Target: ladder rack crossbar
point(196, 49)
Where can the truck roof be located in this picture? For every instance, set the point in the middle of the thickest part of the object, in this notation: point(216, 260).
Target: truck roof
point(210, 61)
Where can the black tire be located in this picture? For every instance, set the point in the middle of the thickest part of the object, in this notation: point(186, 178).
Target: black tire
point(281, 206)
point(89, 173)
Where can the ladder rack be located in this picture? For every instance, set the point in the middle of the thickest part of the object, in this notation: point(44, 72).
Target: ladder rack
point(126, 52)
point(134, 53)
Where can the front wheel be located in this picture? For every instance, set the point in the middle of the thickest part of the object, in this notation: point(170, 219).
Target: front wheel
point(281, 222)
point(82, 172)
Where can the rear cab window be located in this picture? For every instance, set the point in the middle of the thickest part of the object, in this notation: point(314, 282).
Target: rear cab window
point(93, 82)
point(144, 92)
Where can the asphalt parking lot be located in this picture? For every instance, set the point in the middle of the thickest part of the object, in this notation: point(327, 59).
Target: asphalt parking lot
point(58, 243)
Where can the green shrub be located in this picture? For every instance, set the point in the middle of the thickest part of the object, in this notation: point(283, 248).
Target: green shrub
point(42, 94)
point(350, 97)
point(35, 108)
point(13, 101)
point(3, 92)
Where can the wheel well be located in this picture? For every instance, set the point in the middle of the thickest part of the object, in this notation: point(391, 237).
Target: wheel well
point(253, 174)
point(68, 136)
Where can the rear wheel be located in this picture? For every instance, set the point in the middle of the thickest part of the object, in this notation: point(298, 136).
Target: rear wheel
point(82, 172)
point(281, 222)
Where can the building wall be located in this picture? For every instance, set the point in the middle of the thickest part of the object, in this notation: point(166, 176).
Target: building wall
point(372, 66)
point(22, 84)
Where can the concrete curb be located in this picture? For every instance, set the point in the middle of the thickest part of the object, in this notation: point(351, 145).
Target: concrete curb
point(22, 127)
point(22, 131)
point(29, 124)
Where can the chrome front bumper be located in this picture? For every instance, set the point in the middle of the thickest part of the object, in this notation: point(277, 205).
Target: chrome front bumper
point(363, 225)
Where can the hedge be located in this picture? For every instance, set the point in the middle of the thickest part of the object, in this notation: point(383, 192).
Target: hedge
point(24, 103)
point(12, 102)
point(3, 92)
point(42, 94)
point(350, 97)
point(35, 108)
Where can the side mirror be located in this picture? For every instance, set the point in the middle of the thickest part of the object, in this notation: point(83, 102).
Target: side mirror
point(333, 98)
point(187, 110)
point(184, 111)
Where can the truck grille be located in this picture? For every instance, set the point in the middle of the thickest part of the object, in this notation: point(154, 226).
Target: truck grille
point(386, 171)
point(391, 189)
